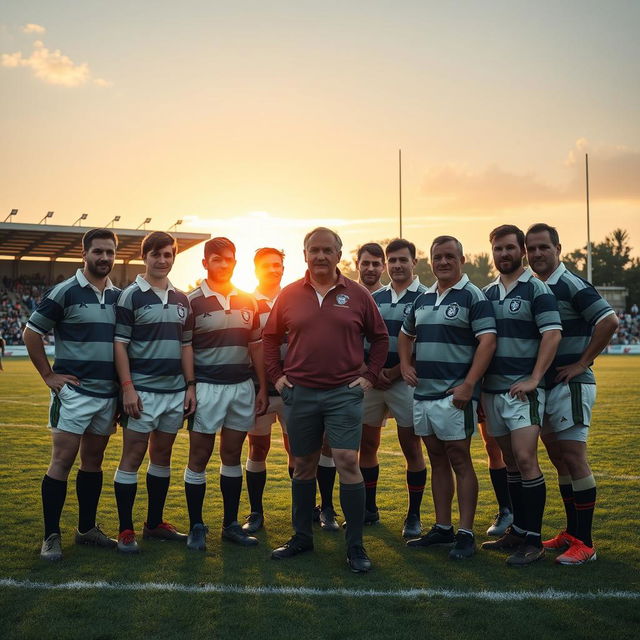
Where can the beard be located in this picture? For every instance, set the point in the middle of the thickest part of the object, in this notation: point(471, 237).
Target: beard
point(99, 270)
point(512, 266)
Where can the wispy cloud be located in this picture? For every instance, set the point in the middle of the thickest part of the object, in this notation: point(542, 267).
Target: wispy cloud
point(615, 175)
point(53, 67)
point(33, 28)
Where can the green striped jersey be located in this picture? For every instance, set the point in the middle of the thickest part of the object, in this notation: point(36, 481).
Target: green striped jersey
point(523, 312)
point(394, 309)
point(581, 308)
point(83, 320)
point(154, 326)
point(445, 327)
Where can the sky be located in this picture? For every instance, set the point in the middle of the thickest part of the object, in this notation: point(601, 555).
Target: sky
point(260, 120)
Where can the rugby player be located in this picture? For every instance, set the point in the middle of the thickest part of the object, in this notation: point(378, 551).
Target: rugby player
point(529, 331)
point(454, 330)
point(269, 267)
point(226, 340)
point(588, 322)
point(325, 316)
point(81, 313)
point(391, 394)
point(154, 361)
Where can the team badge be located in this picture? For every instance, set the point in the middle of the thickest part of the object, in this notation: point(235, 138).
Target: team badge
point(407, 308)
point(182, 312)
point(515, 304)
point(342, 298)
point(246, 315)
point(452, 310)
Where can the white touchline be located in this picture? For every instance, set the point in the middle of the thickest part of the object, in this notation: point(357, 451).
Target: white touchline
point(451, 594)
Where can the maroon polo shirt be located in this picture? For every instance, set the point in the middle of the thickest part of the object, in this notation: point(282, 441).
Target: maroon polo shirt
point(325, 342)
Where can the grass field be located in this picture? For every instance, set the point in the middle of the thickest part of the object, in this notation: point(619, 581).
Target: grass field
point(168, 592)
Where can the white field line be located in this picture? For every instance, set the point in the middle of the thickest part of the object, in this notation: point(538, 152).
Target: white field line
point(451, 594)
point(24, 402)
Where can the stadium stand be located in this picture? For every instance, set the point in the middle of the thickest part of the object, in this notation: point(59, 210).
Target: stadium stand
point(35, 257)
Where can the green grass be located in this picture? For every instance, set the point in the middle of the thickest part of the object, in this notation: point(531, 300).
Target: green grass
point(96, 613)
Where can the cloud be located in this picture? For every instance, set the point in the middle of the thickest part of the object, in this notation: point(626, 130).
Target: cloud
point(33, 28)
point(614, 173)
point(53, 67)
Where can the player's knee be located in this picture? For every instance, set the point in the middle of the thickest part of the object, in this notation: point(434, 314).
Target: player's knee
point(259, 448)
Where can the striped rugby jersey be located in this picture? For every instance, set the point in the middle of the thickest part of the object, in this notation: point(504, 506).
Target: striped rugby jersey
point(222, 330)
point(525, 311)
point(581, 308)
point(265, 304)
point(445, 327)
point(154, 329)
point(393, 310)
point(83, 322)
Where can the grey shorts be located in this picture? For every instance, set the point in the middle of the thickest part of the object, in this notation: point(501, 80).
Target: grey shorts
point(311, 412)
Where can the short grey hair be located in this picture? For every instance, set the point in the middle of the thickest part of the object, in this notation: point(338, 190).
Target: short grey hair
point(324, 230)
point(442, 239)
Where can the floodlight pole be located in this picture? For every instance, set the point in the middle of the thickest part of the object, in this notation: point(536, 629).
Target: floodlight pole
point(589, 262)
point(12, 213)
point(400, 188)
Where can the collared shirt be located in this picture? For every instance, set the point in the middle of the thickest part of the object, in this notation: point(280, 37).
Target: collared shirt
point(154, 324)
point(325, 341)
point(223, 328)
point(581, 308)
point(525, 310)
point(83, 320)
point(393, 309)
point(446, 327)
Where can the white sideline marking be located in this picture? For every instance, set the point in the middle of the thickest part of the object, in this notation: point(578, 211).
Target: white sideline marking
point(451, 594)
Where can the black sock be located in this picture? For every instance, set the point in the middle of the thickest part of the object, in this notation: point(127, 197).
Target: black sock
point(256, 481)
point(566, 491)
point(514, 483)
point(326, 477)
point(88, 489)
point(125, 497)
point(157, 489)
point(195, 499)
point(303, 500)
point(291, 470)
point(231, 488)
point(585, 502)
point(352, 501)
point(500, 488)
point(416, 481)
point(370, 476)
point(54, 493)
point(534, 494)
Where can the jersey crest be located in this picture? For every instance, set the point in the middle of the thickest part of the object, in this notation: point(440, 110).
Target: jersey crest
point(515, 304)
point(452, 310)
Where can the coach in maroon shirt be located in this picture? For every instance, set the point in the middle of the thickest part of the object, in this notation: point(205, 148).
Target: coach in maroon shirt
point(323, 381)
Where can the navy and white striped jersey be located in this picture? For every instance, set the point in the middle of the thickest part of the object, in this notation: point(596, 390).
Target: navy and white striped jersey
point(445, 327)
point(83, 320)
point(525, 311)
point(581, 308)
point(223, 327)
point(155, 326)
point(394, 309)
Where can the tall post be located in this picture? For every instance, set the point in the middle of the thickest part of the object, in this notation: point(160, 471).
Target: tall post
point(589, 264)
point(400, 187)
